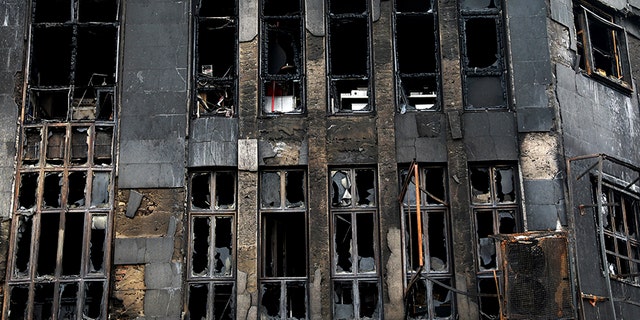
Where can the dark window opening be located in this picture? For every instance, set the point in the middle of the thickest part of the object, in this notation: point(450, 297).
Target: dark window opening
point(200, 245)
point(283, 189)
point(343, 191)
point(56, 145)
point(31, 146)
point(48, 105)
point(200, 191)
point(72, 245)
point(18, 302)
point(602, 47)
point(43, 301)
point(198, 296)
point(343, 242)
point(216, 58)
point(480, 185)
point(68, 298)
point(355, 300)
point(96, 56)
point(437, 239)
point(77, 189)
point(223, 246)
point(284, 245)
point(417, 68)
point(365, 184)
point(442, 300)
point(48, 244)
point(486, 244)
point(52, 11)
point(366, 243)
point(51, 56)
point(281, 54)
point(368, 293)
point(489, 306)
point(482, 42)
point(294, 189)
point(223, 301)
point(270, 301)
point(355, 243)
point(52, 193)
point(23, 245)
point(93, 300)
point(27, 196)
point(97, 10)
point(343, 304)
point(348, 55)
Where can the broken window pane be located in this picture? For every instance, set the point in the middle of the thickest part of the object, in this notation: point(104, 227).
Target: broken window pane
point(77, 189)
point(417, 304)
point(47, 104)
point(486, 245)
point(73, 240)
point(68, 296)
point(366, 242)
point(435, 186)
point(223, 259)
point(442, 299)
point(200, 245)
point(410, 193)
point(437, 238)
point(104, 104)
point(97, 243)
point(411, 236)
point(505, 185)
point(100, 189)
point(270, 190)
point(295, 189)
point(79, 145)
point(296, 300)
point(489, 306)
point(18, 302)
point(284, 244)
point(223, 302)
point(225, 190)
point(23, 245)
point(343, 306)
point(350, 95)
point(28, 190)
point(55, 145)
point(507, 221)
point(201, 190)
point(480, 185)
point(48, 243)
point(368, 292)
point(93, 300)
point(52, 193)
point(198, 296)
point(31, 146)
point(43, 301)
point(340, 189)
point(270, 300)
point(482, 42)
point(365, 187)
point(102, 146)
point(343, 243)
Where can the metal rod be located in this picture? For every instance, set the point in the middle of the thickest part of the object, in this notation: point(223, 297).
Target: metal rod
point(418, 215)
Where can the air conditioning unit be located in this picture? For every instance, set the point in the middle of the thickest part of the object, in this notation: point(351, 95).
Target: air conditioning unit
point(536, 276)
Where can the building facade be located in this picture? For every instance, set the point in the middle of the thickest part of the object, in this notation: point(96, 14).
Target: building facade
point(320, 159)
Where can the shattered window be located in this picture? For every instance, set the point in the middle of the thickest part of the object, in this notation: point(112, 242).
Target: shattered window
point(211, 252)
point(483, 57)
point(417, 68)
point(495, 204)
point(283, 238)
point(349, 57)
point(355, 259)
point(427, 242)
point(602, 47)
point(64, 200)
point(216, 58)
point(282, 68)
point(619, 214)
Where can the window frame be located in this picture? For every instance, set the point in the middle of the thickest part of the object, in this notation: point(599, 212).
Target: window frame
point(210, 279)
point(620, 77)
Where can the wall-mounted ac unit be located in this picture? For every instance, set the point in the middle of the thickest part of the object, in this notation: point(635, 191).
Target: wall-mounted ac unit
point(536, 276)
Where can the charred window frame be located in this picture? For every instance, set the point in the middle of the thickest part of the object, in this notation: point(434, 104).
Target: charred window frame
point(417, 67)
point(59, 247)
point(349, 60)
point(211, 253)
point(283, 244)
point(483, 55)
point(602, 47)
point(426, 242)
point(282, 61)
point(355, 257)
point(495, 206)
point(215, 58)
point(620, 215)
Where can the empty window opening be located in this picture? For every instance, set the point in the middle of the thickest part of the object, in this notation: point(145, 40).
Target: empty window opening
point(349, 61)
point(283, 303)
point(72, 245)
point(52, 193)
point(93, 300)
point(102, 150)
point(79, 145)
point(437, 239)
point(366, 243)
point(216, 58)
point(52, 11)
point(482, 43)
point(223, 246)
point(101, 190)
point(223, 302)
point(343, 242)
point(343, 304)
point(198, 296)
point(505, 185)
point(18, 302)
point(43, 301)
point(359, 303)
point(429, 300)
point(285, 245)
point(270, 300)
point(480, 185)
point(442, 300)
point(31, 145)
point(200, 191)
point(417, 300)
point(77, 189)
point(50, 104)
point(93, 101)
point(96, 56)
point(365, 184)
point(27, 195)
point(294, 188)
point(489, 305)
point(225, 190)
point(221, 307)
point(48, 243)
point(23, 245)
point(56, 137)
point(602, 46)
point(417, 70)
point(51, 56)
point(359, 249)
point(68, 298)
point(486, 244)
point(97, 10)
point(97, 243)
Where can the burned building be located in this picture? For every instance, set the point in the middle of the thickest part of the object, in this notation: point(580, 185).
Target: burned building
point(320, 159)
